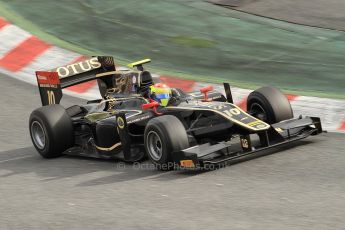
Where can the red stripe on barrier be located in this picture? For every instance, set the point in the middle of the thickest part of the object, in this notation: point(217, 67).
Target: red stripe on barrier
point(243, 104)
point(83, 87)
point(185, 85)
point(291, 97)
point(23, 54)
point(3, 22)
point(342, 126)
point(78, 59)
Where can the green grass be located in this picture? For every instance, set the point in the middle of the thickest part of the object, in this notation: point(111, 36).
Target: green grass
point(192, 40)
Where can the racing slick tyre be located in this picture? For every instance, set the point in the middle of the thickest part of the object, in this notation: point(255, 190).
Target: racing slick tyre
point(51, 130)
point(269, 105)
point(163, 136)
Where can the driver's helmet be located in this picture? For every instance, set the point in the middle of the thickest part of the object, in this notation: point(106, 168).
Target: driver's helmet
point(161, 93)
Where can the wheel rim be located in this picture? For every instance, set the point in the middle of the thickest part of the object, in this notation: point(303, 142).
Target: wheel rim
point(38, 135)
point(154, 145)
point(258, 111)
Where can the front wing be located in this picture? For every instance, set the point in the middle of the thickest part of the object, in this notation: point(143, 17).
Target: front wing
point(219, 154)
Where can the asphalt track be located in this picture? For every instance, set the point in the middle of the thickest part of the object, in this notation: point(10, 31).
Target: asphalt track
point(301, 187)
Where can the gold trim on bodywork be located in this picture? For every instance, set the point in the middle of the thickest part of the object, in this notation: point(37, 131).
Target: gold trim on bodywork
point(97, 116)
point(110, 148)
point(279, 130)
point(265, 126)
point(254, 123)
point(118, 72)
point(122, 99)
point(120, 122)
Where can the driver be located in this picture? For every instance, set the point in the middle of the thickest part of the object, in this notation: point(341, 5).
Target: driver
point(161, 93)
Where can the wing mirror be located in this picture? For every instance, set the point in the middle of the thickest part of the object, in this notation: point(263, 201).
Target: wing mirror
point(152, 105)
point(205, 91)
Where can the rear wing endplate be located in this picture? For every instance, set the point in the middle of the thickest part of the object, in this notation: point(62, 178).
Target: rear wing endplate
point(51, 83)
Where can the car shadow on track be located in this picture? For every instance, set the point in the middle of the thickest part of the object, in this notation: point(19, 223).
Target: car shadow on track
point(26, 161)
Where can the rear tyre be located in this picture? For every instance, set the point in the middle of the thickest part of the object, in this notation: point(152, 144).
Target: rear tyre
point(163, 136)
point(51, 130)
point(269, 105)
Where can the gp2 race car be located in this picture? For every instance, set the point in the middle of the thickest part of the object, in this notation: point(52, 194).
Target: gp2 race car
point(191, 130)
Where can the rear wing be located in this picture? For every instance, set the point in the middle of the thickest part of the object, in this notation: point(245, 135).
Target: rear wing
point(51, 83)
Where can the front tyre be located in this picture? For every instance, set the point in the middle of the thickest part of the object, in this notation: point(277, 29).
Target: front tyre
point(269, 105)
point(163, 136)
point(51, 130)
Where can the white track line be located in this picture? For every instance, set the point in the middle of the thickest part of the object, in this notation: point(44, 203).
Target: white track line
point(10, 37)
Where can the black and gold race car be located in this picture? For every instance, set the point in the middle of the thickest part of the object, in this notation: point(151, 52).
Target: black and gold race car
point(130, 122)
